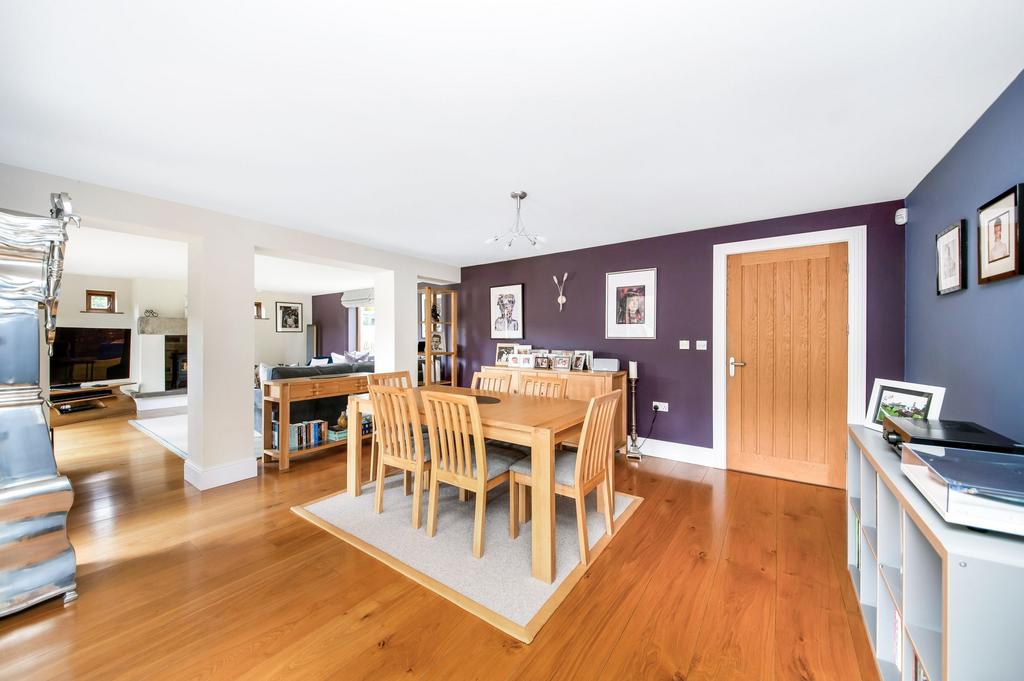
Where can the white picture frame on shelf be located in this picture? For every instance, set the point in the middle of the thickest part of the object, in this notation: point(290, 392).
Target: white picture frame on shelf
point(899, 398)
point(631, 304)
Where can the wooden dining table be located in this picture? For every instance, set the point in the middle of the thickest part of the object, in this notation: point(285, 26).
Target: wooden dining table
point(540, 423)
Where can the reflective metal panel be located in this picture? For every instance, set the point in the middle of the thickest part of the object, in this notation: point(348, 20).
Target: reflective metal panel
point(36, 559)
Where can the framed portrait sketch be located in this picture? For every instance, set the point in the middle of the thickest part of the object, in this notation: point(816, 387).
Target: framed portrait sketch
point(950, 265)
point(908, 400)
point(631, 304)
point(502, 351)
point(507, 311)
point(999, 237)
point(288, 317)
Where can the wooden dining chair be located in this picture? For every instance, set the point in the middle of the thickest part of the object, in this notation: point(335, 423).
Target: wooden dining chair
point(461, 456)
point(400, 442)
point(492, 381)
point(394, 379)
point(544, 386)
point(580, 472)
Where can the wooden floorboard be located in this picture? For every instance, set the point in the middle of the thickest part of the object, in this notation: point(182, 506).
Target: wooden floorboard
point(719, 575)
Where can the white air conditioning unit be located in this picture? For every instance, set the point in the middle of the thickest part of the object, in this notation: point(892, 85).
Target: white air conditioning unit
point(359, 298)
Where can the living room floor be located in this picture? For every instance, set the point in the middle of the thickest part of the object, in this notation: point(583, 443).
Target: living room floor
point(720, 575)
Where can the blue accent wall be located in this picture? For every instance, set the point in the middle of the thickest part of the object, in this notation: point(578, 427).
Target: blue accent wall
point(971, 341)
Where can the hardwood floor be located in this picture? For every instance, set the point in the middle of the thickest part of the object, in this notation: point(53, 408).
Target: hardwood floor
point(719, 575)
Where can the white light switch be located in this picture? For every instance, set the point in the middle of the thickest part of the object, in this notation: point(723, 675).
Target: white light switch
point(684, 345)
point(702, 345)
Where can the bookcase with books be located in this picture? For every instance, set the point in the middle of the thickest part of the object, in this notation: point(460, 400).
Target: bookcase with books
point(940, 602)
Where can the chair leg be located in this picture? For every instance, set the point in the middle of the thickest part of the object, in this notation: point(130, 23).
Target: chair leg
point(463, 494)
point(605, 506)
point(405, 483)
point(432, 505)
point(378, 496)
point(417, 499)
point(524, 503)
point(373, 457)
point(513, 518)
point(581, 528)
point(609, 482)
point(478, 524)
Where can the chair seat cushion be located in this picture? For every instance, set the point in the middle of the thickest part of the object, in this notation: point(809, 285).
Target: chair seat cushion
point(499, 460)
point(565, 468)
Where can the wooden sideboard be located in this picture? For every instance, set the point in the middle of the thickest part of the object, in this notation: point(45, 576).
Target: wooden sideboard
point(283, 392)
point(582, 386)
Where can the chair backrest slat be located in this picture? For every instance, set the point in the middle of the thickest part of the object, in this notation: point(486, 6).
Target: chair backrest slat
point(596, 440)
point(493, 381)
point(456, 435)
point(544, 386)
point(392, 379)
point(396, 421)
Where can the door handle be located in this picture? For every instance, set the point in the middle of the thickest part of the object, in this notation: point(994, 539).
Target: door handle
point(733, 364)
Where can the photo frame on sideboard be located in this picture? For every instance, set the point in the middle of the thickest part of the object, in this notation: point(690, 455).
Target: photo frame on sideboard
point(907, 400)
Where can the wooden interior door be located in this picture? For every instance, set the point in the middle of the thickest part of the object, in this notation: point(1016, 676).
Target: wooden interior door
point(787, 346)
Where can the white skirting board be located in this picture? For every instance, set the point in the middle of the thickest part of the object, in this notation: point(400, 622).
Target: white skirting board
point(675, 451)
point(215, 476)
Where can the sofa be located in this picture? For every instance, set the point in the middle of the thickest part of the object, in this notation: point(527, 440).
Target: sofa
point(327, 408)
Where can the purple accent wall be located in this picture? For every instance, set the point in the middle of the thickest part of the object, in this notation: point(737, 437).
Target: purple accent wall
point(684, 261)
point(969, 341)
point(332, 320)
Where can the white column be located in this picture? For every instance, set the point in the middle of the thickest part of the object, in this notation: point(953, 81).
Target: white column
point(221, 341)
point(394, 295)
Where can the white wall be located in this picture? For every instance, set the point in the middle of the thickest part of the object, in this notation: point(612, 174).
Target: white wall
point(221, 326)
point(281, 348)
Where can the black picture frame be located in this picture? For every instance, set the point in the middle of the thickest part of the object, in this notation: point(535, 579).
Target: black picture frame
point(518, 334)
point(279, 308)
point(1014, 233)
point(961, 242)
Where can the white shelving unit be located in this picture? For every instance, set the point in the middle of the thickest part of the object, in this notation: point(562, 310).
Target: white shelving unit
point(946, 596)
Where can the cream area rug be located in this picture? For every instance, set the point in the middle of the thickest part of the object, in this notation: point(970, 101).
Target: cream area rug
point(171, 432)
point(498, 587)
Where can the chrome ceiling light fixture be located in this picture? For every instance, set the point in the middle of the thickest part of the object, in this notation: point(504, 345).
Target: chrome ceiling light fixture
point(517, 230)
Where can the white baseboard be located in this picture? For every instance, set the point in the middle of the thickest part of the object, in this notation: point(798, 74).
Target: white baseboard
point(675, 451)
point(216, 476)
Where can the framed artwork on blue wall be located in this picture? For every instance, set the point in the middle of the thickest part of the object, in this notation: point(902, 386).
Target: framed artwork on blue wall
point(999, 237)
point(950, 261)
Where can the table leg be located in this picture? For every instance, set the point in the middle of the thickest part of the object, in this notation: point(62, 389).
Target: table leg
point(268, 438)
point(284, 419)
point(542, 528)
point(355, 448)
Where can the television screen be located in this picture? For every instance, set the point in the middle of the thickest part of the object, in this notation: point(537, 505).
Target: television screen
point(86, 355)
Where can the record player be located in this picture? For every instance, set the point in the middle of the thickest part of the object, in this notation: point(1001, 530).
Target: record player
point(898, 431)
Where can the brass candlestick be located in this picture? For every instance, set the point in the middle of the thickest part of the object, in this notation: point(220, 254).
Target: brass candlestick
point(633, 452)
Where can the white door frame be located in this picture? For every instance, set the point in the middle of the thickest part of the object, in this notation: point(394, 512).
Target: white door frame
point(856, 239)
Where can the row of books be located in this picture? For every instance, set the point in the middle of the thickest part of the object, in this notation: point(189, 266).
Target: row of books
point(313, 433)
point(300, 435)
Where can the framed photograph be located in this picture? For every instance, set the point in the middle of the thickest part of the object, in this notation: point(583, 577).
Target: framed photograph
point(527, 361)
point(631, 304)
point(999, 237)
point(588, 361)
point(579, 362)
point(950, 264)
point(288, 317)
point(501, 353)
point(897, 398)
point(522, 349)
point(507, 311)
point(437, 343)
point(561, 362)
point(514, 359)
point(541, 362)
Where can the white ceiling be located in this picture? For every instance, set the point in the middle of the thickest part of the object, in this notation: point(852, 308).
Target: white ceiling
point(114, 254)
point(406, 124)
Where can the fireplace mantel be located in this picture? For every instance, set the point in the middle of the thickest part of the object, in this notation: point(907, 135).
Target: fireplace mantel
point(163, 326)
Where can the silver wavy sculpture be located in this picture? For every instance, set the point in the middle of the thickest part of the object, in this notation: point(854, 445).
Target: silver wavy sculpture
point(37, 560)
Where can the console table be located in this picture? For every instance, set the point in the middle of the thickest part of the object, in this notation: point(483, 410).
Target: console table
point(933, 594)
point(284, 392)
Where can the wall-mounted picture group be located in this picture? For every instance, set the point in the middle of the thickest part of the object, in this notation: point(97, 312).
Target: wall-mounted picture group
point(999, 239)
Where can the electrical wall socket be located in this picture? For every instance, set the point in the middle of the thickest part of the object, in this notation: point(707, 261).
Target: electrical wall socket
point(660, 406)
point(684, 345)
point(702, 345)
